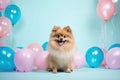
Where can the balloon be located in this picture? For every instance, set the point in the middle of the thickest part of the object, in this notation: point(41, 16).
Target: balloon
point(7, 59)
point(35, 47)
point(13, 13)
point(114, 45)
point(105, 52)
point(5, 26)
point(0, 14)
point(78, 60)
point(24, 60)
point(40, 60)
point(101, 0)
point(6, 53)
point(94, 57)
point(44, 46)
point(6, 65)
point(113, 58)
point(3, 4)
point(117, 6)
point(106, 9)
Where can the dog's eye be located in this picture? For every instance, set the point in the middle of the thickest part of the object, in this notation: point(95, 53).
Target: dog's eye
point(64, 36)
point(58, 36)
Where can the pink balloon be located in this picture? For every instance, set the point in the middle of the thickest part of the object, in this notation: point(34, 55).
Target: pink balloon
point(5, 26)
point(36, 48)
point(101, 0)
point(3, 4)
point(106, 9)
point(24, 60)
point(105, 52)
point(113, 58)
point(40, 60)
point(79, 60)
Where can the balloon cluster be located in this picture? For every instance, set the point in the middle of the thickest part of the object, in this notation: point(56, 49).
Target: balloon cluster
point(107, 8)
point(96, 56)
point(9, 18)
point(24, 59)
point(34, 55)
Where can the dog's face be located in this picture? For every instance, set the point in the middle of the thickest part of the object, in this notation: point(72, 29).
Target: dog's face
point(61, 38)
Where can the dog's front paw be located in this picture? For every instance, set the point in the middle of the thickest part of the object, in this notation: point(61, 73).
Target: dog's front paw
point(68, 70)
point(54, 70)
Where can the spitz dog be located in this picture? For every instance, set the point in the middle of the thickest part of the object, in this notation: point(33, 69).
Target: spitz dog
point(61, 48)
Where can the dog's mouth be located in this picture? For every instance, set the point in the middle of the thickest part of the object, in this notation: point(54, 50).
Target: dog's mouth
point(60, 42)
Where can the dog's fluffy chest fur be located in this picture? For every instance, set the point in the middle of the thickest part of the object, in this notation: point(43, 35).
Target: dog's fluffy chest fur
point(61, 57)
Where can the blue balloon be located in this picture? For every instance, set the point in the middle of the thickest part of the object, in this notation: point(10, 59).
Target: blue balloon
point(44, 46)
point(7, 59)
point(0, 14)
point(13, 12)
point(114, 45)
point(94, 57)
point(6, 65)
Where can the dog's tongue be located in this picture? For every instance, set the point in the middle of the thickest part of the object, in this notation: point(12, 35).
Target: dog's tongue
point(61, 43)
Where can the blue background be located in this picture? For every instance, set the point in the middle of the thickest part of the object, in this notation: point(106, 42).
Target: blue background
point(39, 17)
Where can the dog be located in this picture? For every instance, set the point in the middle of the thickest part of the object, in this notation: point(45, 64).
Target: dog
point(61, 48)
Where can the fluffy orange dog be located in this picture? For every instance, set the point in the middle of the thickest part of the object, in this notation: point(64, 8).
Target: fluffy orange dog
point(61, 48)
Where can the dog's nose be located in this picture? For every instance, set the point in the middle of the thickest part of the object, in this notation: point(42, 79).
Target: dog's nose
point(61, 39)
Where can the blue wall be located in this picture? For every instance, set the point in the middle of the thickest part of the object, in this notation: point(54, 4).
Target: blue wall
point(39, 17)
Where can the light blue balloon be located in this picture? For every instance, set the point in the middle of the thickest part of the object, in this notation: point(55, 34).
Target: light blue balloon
point(114, 46)
point(13, 12)
point(0, 14)
point(94, 57)
point(44, 46)
point(7, 59)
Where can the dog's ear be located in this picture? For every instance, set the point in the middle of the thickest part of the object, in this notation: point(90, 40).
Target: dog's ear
point(55, 28)
point(68, 29)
